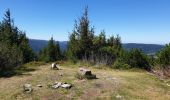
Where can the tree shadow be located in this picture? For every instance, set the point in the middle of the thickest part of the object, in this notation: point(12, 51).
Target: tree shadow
point(23, 70)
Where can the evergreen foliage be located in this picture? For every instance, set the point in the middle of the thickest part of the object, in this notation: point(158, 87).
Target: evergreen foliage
point(84, 45)
point(135, 58)
point(164, 56)
point(51, 52)
point(81, 39)
point(14, 46)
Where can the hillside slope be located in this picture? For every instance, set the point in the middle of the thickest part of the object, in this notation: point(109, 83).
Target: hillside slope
point(147, 48)
point(37, 45)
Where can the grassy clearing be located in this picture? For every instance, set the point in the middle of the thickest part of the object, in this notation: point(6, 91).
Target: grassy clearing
point(127, 84)
point(32, 66)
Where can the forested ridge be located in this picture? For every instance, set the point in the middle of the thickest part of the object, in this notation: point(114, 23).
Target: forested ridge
point(37, 45)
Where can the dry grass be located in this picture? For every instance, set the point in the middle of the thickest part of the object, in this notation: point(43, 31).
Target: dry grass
point(130, 85)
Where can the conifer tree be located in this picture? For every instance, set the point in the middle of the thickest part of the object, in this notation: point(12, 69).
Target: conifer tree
point(164, 56)
point(83, 36)
point(51, 52)
point(14, 48)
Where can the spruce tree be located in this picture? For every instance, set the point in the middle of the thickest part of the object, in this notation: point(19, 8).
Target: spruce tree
point(83, 34)
point(51, 52)
point(14, 45)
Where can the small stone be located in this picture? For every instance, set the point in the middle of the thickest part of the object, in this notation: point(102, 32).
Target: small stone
point(168, 84)
point(56, 85)
point(118, 97)
point(67, 86)
point(60, 74)
point(27, 88)
point(39, 85)
point(55, 66)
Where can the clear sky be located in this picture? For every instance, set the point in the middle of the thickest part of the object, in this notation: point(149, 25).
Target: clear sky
point(136, 21)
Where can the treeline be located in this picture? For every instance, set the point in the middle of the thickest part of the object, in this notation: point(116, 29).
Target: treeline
point(83, 45)
point(15, 49)
point(14, 46)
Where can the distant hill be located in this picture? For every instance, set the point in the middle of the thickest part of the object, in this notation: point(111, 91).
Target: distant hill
point(36, 45)
point(146, 48)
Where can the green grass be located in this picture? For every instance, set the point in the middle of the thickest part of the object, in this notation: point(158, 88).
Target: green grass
point(134, 84)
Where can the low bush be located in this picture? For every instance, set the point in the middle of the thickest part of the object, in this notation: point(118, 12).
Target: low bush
point(120, 65)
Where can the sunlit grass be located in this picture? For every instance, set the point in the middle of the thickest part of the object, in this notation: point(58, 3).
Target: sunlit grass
point(133, 84)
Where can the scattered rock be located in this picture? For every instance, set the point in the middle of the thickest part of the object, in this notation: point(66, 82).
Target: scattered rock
point(27, 88)
point(60, 84)
point(67, 86)
point(56, 85)
point(118, 96)
point(39, 85)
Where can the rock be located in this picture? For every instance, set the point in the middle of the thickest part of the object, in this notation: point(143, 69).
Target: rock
point(118, 97)
point(54, 66)
point(60, 84)
point(67, 86)
point(60, 74)
point(56, 85)
point(27, 88)
point(84, 71)
point(39, 85)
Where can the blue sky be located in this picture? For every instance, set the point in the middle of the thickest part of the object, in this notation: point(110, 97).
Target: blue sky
point(136, 21)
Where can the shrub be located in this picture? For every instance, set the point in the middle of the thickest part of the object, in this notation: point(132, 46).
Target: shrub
point(136, 59)
point(164, 56)
point(10, 56)
point(120, 65)
point(79, 76)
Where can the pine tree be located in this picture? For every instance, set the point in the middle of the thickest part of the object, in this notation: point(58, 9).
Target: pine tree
point(23, 43)
point(14, 48)
point(58, 51)
point(83, 35)
point(73, 46)
point(51, 52)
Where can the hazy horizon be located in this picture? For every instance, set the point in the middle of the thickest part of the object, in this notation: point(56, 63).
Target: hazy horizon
point(142, 21)
point(122, 42)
